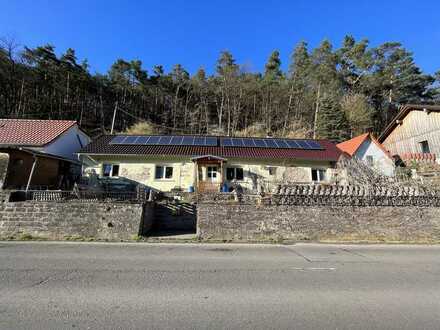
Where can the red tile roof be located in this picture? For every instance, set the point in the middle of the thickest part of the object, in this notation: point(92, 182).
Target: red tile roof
point(101, 146)
point(28, 132)
point(352, 145)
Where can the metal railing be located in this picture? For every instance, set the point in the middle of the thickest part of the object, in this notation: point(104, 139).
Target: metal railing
point(84, 196)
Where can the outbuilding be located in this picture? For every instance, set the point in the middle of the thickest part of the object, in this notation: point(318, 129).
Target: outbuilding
point(367, 148)
point(40, 154)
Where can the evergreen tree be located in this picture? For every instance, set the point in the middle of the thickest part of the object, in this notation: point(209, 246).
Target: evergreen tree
point(273, 67)
point(332, 123)
point(396, 80)
point(355, 62)
point(323, 68)
point(365, 83)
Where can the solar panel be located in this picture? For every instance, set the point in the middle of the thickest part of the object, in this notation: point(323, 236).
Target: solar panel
point(211, 141)
point(303, 144)
point(176, 140)
point(130, 139)
point(164, 140)
point(188, 140)
point(249, 142)
point(314, 144)
point(237, 142)
point(226, 142)
point(153, 140)
point(270, 143)
point(259, 143)
point(293, 144)
point(117, 139)
point(142, 139)
point(199, 141)
point(281, 143)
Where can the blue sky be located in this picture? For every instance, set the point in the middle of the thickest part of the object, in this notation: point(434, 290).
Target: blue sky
point(193, 32)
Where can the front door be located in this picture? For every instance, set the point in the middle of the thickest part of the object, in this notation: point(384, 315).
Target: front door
point(212, 174)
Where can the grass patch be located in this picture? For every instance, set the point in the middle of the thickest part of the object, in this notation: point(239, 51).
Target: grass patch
point(26, 237)
point(136, 238)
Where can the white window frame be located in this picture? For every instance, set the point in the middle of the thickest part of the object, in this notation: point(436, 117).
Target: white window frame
point(321, 177)
point(164, 178)
point(111, 170)
point(211, 174)
point(369, 159)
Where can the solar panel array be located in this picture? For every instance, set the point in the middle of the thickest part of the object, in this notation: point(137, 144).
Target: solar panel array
point(212, 141)
point(168, 140)
point(270, 143)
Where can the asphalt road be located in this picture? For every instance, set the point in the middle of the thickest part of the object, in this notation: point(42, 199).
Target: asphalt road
point(156, 286)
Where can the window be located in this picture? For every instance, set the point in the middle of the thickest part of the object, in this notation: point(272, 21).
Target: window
point(110, 170)
point(234, 173)
point(212, 172)
point(425, 147)
point(370, 160)
point(318, 175)
point(163, 172)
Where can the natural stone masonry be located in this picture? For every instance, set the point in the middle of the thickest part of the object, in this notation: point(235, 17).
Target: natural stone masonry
point(322, 213)
point(75, 219)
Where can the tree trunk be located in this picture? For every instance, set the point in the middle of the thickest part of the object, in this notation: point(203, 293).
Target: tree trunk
point(315, 122)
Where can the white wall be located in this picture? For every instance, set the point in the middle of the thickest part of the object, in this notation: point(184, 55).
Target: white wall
point(381, 162)
point(68, 144)
point(142, 170)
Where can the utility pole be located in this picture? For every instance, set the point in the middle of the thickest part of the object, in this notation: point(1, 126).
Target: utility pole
point(114, 117)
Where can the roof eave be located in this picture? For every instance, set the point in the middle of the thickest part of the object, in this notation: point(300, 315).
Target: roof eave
point(329, 159)
point(403, 112)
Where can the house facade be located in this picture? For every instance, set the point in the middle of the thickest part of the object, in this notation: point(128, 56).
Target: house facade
point(200, 163)
point(415, 131)
point(41, 154)
point(368, 149)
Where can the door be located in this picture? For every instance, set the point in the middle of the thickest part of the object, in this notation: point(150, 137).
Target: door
point(212, 174)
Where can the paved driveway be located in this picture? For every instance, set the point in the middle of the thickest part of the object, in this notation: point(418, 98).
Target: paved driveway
point(309, 286)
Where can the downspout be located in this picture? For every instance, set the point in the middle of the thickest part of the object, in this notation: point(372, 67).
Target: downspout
point(32, 173)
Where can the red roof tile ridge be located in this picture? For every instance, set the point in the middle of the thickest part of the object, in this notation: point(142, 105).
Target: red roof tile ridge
point(35, 132)
point(352, 145)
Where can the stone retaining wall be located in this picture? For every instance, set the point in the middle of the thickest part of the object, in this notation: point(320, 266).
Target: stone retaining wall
point(74, 219)
point(292, 215)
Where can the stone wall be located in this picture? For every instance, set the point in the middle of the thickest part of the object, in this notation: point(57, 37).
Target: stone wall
point(74, 219)
point(322, 214)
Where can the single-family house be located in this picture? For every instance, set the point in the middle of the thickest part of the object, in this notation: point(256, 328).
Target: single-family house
point(41, 154)
point(209, 163)
point(414, 134)
point(367, 148)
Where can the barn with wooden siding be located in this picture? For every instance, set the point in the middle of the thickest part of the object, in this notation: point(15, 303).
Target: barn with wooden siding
point(414, 132)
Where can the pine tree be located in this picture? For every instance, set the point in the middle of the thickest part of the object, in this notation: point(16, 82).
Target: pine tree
point(300, 62)
point(331, 122)
point(273, 67)
point(396, 80)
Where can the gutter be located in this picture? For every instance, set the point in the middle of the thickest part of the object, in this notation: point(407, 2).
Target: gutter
point(192, 156)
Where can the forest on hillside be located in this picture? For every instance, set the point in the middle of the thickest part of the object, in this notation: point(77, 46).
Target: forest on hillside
point(325, 93)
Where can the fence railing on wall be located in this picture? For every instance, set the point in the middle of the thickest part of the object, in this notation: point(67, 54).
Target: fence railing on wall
point(85, 196)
